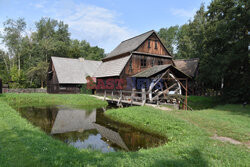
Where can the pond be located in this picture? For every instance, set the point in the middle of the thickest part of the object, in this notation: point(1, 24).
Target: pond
point(89, 129)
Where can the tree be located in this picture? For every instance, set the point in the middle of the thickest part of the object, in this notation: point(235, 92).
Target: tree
point(168, 37)
point(83, 49)
point(184, 45)
point(52, 38)
point(226, 48)
point(4, 66)
point(39, 72)
point(13, 38)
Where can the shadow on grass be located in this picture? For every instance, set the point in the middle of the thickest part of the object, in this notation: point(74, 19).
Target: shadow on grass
point(194, 158)
point(20, 147)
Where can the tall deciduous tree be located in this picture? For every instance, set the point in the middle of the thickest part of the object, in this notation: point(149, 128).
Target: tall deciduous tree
point(226, 47)
point(13, 30)
point(168, 37)
point(39, 72)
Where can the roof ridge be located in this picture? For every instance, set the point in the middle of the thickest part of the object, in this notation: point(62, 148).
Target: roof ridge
point(93, 60)
point(74, 58)
point(139, 35)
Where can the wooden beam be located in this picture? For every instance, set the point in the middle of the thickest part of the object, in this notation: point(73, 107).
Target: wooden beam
point(166, 90)
point(186, 93)
point(158, 80)
point(177, 79)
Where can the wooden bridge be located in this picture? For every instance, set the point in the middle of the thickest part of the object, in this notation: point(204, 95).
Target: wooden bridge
point(137, 98)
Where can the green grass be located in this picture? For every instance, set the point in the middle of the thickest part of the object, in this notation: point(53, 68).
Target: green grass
point(22, 144)
point(203, 102)
point(225, 120)
point(42, 99)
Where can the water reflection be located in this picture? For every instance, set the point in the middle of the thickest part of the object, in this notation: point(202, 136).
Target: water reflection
point(89, 129)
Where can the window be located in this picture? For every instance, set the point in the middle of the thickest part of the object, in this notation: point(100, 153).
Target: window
point(143, 62)
point(160, 62)
point(156, 47)
point(130, 65)
point(149, 43)
point(152, 62)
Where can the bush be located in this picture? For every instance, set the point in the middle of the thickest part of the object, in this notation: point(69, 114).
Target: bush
point(84, 89)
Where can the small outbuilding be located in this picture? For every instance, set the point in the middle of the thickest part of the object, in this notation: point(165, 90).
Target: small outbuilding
point(67, 75)
point(189, 67)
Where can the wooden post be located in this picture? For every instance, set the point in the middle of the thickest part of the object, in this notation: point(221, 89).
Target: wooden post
point(186, 94)
point(120, 94)
point(143, 96)
point(104, 98)
point(157, 103)
point(112, 94)
point(132, 96)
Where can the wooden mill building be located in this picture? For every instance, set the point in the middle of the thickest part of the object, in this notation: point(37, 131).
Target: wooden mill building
point(145, 57)
point(66, 75)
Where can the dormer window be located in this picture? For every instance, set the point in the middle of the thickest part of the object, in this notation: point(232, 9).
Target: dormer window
point(149, 43)
point(156, 47)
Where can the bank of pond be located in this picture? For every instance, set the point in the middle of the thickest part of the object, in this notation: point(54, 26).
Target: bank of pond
point(79, 130)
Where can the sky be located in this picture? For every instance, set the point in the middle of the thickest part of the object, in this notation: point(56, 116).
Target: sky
point(103, 23)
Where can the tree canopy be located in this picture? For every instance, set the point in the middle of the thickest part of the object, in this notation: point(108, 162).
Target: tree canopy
point(219, 38)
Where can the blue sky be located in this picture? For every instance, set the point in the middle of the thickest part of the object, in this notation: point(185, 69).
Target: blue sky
point(104, 23)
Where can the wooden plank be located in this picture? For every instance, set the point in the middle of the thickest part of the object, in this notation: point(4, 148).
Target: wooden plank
point(160, 93)
point(158, 80)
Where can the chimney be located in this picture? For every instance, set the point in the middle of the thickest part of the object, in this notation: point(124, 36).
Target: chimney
point(81, 59)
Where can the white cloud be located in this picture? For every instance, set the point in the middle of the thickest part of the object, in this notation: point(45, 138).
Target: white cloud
point(97, 25)
point(183, 12)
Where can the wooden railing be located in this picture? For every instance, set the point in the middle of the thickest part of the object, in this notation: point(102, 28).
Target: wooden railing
point(133, 96)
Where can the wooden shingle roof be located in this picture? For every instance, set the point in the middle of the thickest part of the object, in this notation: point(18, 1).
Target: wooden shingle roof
point(112, 68)
point(130, 45)
point(188, 66)
point(157, 69)
point(151, 71)
point(74, 71)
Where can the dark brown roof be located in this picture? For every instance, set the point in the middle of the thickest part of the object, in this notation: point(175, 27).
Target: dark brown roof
point(157, 69)
point(188, 66)
point(151, 71)
point(130, 44)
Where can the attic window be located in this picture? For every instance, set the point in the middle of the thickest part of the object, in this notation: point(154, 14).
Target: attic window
point(149, 43)
point(143, 62)
point(156, 47)
point(160, 62)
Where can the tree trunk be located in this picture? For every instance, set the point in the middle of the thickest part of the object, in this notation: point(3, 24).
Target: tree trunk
point(6, 64)
point(19, 64)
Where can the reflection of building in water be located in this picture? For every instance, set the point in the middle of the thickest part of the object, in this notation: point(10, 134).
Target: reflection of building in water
point(68, 120)
point(84, 129)
point(111, 135)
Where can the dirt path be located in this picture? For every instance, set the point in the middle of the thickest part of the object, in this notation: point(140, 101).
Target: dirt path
point(230, 140)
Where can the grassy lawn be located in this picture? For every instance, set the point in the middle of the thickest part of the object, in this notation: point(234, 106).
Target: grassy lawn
point(22, 144)
point(229, 120)
point(40, 99)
